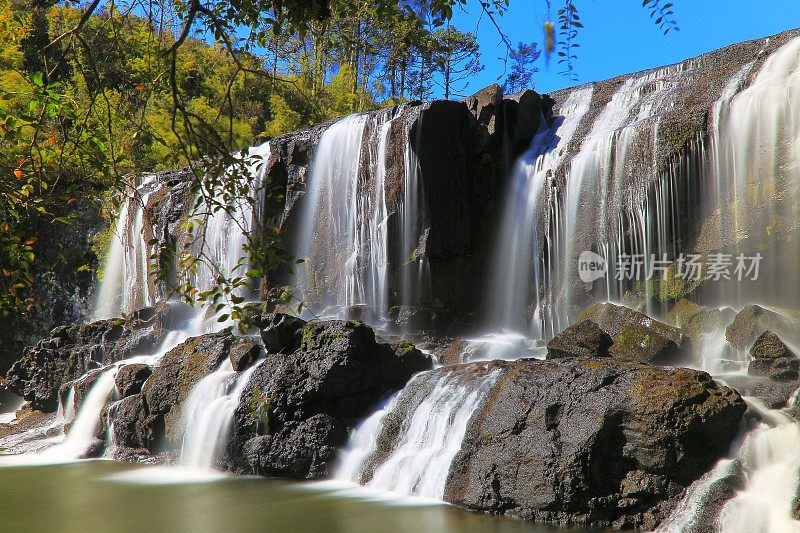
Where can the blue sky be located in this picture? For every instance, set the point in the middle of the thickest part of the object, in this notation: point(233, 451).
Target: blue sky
point(619, 36)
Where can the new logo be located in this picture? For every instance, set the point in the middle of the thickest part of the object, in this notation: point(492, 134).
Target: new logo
point(591, 267)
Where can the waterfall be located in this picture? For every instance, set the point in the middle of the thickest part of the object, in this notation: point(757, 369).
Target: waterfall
point(83, 431)
point(519, 268)
point(125, 286)
point(208, 414)
point(766, 465)
point(345, 234)
point(223, 239)
point(429, 439)
point(621, 188)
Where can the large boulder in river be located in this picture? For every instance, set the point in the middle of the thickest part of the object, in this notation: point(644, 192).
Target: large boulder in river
point(636, 336)
point(599, 442)
point(772, 358)
point(298, 408)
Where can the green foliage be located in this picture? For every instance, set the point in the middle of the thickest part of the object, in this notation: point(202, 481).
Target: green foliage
point(260, 406)
point(405, 346)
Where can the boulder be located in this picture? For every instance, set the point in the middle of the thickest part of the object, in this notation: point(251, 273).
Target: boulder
point(485, 106)
point(244, 353)
point(130, 378)
point(149, 422)
point(71, 351)
point(636, 336)
point(298, 408)
point(132, 426)
point(753, 320)
point(281, 333)
point(174, 378)
point(773, 374)
point(584, 339)
point(524, 111)
point(594, 442)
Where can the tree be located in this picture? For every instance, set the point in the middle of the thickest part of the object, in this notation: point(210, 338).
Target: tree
point(456, 57)
point(523, 69)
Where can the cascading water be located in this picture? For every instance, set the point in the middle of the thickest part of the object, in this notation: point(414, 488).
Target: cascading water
point(125, 286)
point(765, 467)
point(430, 437)
point(617, 194)
point(518, 275)
point(223, 239)
point(208, 414)
point(346, 238)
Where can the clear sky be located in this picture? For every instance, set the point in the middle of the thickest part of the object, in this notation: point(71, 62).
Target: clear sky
point(619, 36)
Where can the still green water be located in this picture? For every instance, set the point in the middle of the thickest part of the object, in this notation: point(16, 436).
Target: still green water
point(98, 496)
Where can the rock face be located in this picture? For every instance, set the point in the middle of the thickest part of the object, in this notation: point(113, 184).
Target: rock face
point(636, 336)
point(753, 320)
point(71, 351)
point(773, 374)
point(298, 408)
point(597, 442)
point(130, 379)
point(280, 333)
point(584, 339)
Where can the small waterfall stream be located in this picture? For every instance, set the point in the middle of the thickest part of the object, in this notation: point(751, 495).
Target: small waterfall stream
point(429, 439)
point(125, 286)
point(208, 414)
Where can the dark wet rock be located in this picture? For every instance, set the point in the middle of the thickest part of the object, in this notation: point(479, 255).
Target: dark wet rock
point(79, 388)
point(132, 424)
point(281, 333)
point(584, 339)
point(151, 419)
point(599, 442)
point(636, 336)
point(753, 320)
point(773, 373)
point(71, 351)
point(773, 359)
point(244, 353)
point(298, 408)
point(176, 375)
point(300, 450)
point(130, 378)
point(774, 394)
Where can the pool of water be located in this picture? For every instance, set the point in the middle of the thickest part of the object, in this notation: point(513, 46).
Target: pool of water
point(107, 496)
